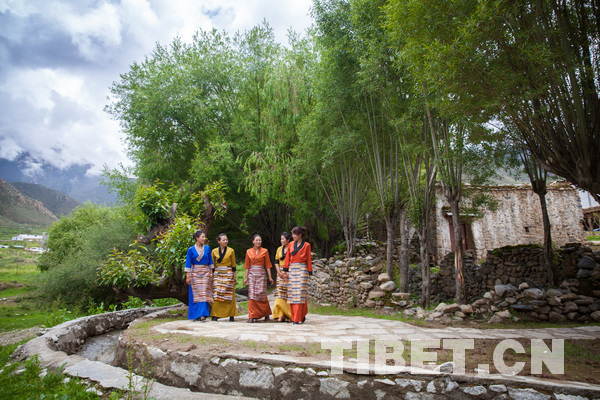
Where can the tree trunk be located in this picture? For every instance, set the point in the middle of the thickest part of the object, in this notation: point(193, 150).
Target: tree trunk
point(404, 252)
point(547, 240)
point(389, 265)
point(458, 253)
point(425, 287)
point(173, 287)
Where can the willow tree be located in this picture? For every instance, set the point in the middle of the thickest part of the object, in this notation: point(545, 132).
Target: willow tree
point(534, 65)
point(420, 169)
point(358, 59)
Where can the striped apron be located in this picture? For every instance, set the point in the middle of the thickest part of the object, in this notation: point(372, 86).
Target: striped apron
point(201, 283)
point(223, 282)
point(282, 288)
point(257, 283)
point(298, 287)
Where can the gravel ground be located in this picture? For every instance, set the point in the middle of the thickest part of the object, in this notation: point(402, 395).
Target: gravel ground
point(17, 336)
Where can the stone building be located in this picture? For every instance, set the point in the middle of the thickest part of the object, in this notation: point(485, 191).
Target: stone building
point(517, 220)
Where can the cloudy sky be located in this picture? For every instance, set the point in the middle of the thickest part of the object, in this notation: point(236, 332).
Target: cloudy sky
point(58, 59)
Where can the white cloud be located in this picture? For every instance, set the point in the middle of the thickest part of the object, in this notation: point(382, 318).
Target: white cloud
point(60, 57)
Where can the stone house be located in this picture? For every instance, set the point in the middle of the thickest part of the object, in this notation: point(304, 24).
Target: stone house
point(517, 220)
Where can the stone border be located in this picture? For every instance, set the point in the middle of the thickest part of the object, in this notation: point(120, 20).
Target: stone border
point(56, 348)
point(273, 376)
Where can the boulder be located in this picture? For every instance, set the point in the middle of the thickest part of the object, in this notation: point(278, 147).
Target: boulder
point(451, 308)
point(467, 309)
point(556, 317)
point(535, 293)
point(402, 296)
point(502, 290)
point(584, 274)
point(523, 286)
point(504, 314)
point(570, 306)
point(366, 285)
point(586, 263)
point(385, 277)
point(374, 294)
point(595, 315)
point(495, 320)
point(369, 303)
point(389, 286)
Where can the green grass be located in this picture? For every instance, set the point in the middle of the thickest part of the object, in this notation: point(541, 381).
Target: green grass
point(22, 385)
point(594, 238)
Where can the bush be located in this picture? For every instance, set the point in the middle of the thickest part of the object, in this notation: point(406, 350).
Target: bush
point(72, 273)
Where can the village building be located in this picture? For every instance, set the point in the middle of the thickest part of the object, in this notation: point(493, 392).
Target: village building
point(517, 220)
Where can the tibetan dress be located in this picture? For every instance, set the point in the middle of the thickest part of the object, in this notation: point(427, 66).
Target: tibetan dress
point(199, 265)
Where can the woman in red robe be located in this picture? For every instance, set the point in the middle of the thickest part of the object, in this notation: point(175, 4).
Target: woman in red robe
point(299, 266)
point(258, 267)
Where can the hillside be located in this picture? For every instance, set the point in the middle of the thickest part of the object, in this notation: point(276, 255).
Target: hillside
point(55, 201)
point(18, 208)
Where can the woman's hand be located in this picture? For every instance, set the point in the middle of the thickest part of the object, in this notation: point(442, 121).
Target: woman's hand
point(188, 279)
point(271, 280)
point(245, 281)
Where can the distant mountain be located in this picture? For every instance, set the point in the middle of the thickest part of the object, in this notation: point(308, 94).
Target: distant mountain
point(20, 209)
point(55, 201)
point(72, 181)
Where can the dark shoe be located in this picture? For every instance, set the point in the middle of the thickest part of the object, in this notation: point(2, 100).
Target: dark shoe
point(296, 323)
point(202, 319)
point(303, 319)
point(214, 319)
point(250, 320)
point(231, 319)
point(267, 318)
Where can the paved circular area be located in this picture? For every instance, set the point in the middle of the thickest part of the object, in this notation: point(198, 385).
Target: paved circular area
point(319, 328)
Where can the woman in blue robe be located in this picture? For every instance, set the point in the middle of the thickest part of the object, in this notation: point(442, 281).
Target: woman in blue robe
point(199, 268)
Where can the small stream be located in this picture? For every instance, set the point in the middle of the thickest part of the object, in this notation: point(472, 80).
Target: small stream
point(101, 348)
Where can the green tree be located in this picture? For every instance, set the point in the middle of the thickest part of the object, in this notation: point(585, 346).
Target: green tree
point(533, 65)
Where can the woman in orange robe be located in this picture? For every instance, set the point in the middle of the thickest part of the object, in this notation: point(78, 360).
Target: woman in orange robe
point(299, 266)
point(257, 267)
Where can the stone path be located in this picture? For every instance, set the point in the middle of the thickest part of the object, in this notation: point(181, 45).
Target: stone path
point(334, 327)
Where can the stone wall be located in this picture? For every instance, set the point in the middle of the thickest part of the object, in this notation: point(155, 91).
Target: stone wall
point(510, 265)
point(362, 282)
point(517, 220)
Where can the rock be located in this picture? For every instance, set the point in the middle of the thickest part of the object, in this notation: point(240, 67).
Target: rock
point(498, 388)
point(475, 390)
point(440, 307)
point(556, 317)
point(467, 309)
point(366, 285)
point(370, 304)
point(554, 301)
point(496, 319)
point(523, 286)
point(553, 293)
point(587, 263)
point(568, 297)
point(504, 314)
point(403, 296)
point(445, 368)
point(460, 314)
point(534, 293)
point(435, 314)
point(584, 274)
point(570, 306)
point(334, 388)
point(385, 277)
point(451, 308)
point(388, 286)
point(257, 378)
point(488, 295)
point(595, 315)
point(376, 268)
point(374, 294)
point(527, 394)
point(501, 290)
point(584, 300)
